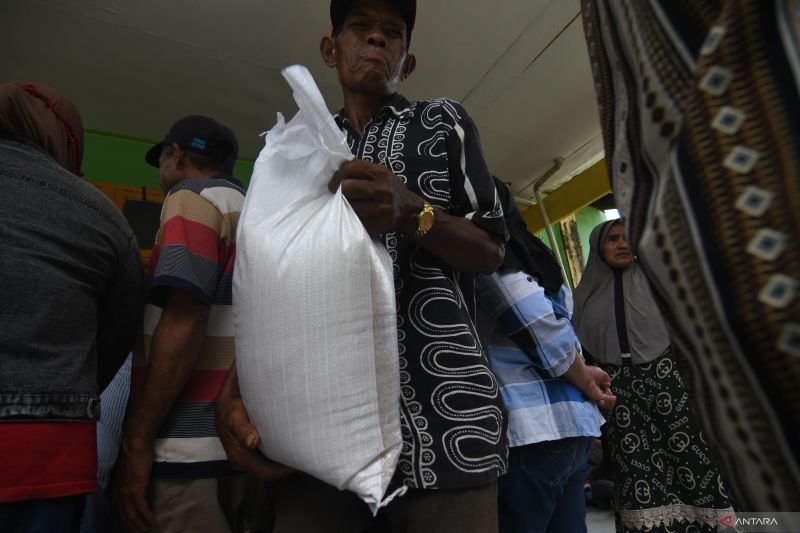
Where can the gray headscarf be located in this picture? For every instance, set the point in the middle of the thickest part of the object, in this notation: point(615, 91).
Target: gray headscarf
point(594, 318)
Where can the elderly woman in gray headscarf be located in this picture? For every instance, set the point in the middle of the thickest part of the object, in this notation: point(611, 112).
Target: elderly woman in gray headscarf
point(666, 478)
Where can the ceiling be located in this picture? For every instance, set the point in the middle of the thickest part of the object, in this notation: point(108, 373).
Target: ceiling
point(520, 68)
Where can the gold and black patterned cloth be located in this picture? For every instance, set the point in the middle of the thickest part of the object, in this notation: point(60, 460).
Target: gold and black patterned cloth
point(700, 108)
point(666, 478)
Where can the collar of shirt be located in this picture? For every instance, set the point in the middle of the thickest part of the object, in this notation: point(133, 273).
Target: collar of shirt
point(229, 179)
point(397, 105)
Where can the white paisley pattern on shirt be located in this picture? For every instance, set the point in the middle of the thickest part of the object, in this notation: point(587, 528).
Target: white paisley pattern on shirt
point(451, 411)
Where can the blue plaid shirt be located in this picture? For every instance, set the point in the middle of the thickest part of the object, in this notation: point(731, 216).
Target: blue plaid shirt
point(531, 344)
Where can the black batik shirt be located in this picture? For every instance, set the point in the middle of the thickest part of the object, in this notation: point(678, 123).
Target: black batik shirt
point(451, 411)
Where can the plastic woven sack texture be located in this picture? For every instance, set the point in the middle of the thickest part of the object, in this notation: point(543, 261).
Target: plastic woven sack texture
point(314, 311)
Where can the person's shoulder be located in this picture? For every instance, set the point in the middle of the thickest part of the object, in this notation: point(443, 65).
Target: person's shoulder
point(90, 196)
point(219, 193)
point(22, 159)
point(198, 185)
point(441, 110)
point(54, 185)
point(440, 102)
point(201, 186)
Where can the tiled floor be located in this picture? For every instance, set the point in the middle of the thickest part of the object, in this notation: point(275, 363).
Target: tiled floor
point(599, 521)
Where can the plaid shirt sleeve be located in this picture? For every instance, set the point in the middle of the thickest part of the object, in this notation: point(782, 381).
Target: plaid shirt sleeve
point(540, 326)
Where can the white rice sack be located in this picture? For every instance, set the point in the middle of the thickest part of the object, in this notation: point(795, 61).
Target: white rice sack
point(314, 311)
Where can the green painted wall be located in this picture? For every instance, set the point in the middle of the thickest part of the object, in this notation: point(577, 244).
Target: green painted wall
point(114, 159)
point(586, 218)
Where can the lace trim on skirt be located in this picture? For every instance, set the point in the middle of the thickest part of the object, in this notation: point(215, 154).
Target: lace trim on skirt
point(679, 512)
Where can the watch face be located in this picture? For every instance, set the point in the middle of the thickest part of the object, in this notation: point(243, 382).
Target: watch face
point(426, 220)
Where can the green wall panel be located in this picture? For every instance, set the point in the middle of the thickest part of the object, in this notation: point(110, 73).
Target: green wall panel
point(588, 218)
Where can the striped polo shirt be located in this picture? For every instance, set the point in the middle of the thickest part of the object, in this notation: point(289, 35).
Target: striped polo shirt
point(194, 251)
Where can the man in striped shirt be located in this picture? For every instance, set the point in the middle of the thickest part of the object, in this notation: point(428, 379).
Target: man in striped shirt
point(172, 463)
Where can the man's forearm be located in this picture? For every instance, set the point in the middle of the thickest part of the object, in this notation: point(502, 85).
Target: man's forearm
point(174, 348)
point(384, 204)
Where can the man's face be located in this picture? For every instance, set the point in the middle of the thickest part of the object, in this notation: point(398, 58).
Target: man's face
point(370, 51)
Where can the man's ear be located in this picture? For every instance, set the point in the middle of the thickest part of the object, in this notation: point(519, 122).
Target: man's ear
point(409, 65)
point(178, 153)
point(327, 48)
point(177, 150)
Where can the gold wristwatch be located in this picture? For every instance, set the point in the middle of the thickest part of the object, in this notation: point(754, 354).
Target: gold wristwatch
point(424, 220)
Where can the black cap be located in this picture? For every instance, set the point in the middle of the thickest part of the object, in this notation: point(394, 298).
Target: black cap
point(408, 8)
point(201, 135)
